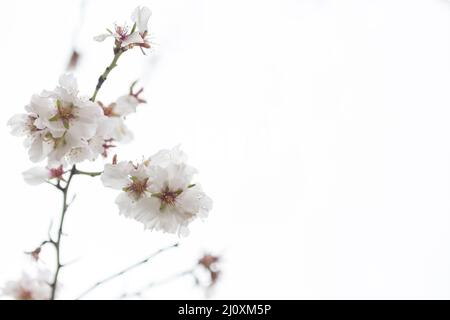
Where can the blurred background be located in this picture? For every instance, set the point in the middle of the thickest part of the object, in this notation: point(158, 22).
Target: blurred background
point(320, 128)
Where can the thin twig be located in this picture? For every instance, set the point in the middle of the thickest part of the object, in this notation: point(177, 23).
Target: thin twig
point(118, 274)
point(56, 185)
point(92, 174)
point(157, 283)
point(117, 53)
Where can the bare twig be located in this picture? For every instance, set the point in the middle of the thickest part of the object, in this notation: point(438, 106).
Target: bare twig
point(57, 243)
point(157, 283)
point(91, 174)
point(117, 53)
point(118, 274)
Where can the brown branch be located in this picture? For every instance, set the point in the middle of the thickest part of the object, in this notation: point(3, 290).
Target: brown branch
point(57, 243)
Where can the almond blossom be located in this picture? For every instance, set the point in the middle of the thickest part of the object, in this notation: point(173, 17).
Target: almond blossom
point(121, 36)
point(58, 123)
point(70, 114)
point(112, 125)
point(126, 38)
point(158, 192)
point(30, 126)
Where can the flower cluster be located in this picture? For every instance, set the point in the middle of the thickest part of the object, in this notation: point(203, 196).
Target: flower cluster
point(158, 191)
point(65, 129)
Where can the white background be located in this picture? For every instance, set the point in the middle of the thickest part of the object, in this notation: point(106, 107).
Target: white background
point(321, 129)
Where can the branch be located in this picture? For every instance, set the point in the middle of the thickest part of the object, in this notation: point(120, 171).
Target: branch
point(57, 243)
point(117, 53)
point(118, 274)
point(157, 283)
point(92, 174)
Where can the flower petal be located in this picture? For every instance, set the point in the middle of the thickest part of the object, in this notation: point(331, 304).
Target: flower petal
point(69, 83)
point(141, 16)
point(36, 175)
point(135, 37)
point(126, 105)
point(116, 175)
point(102, 37)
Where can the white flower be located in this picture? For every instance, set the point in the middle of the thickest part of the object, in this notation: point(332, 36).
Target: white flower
point(57, 122)
point(159, 191)
point(31, 126)
point(28, 287)
point(127, 39)
point(175, 202)
point(122, 36)
point(112, 125)
point(71, 115)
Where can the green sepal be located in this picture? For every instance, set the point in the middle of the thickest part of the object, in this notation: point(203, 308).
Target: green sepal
point(66, 123)
point(54, 118)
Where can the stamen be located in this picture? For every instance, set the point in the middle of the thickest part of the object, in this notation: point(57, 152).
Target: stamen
point(137, 187)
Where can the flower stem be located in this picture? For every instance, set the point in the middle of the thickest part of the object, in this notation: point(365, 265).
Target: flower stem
point(117, 53)
point(57, 243)
point(92, 174)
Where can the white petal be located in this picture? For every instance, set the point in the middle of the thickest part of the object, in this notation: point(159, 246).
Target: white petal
point(86, 120)
point(179, 176)
point(19, 124)
point(69, 83)
point(104, 127)
point(82, 130)
point(102, 37)
point(88, 111)
point(165, 157)
point(135, 37)
point(158, 177)
point(125, 105)
point(170, 220)
point(42, 106)
point(58, 154)
point(141, 16)
point(193, 200)
point(122, 134)
point(115, 128)
point(125, 204)
point(116, 175)
point(39, 148)
point(36, 175)
point(96, 146)
point(79, 154)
